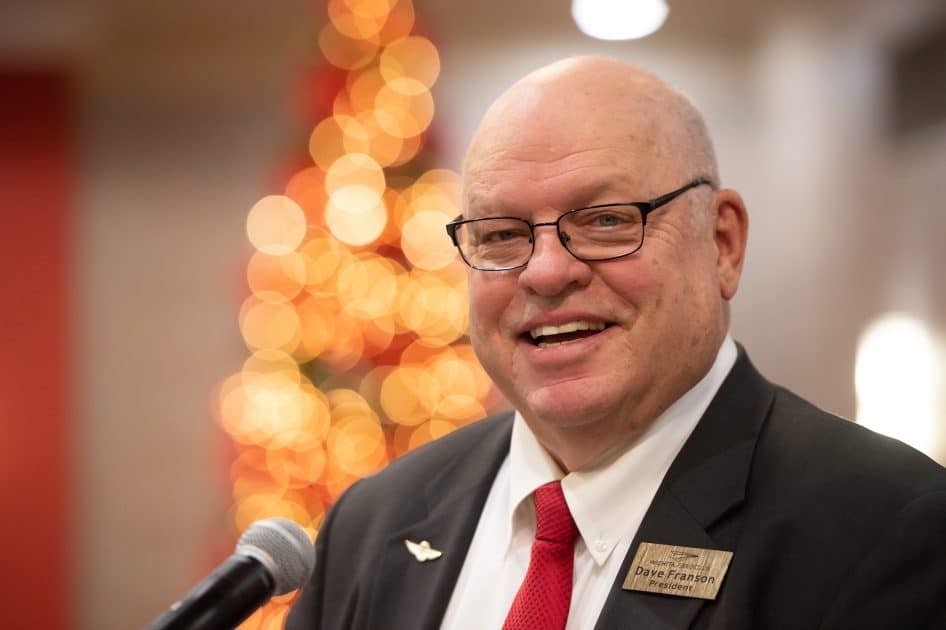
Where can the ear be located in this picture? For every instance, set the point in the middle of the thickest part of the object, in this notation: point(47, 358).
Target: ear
point(731, 233)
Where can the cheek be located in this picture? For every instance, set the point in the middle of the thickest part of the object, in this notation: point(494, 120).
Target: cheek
point(640, 288)
point(663, 297)
point(488, 302)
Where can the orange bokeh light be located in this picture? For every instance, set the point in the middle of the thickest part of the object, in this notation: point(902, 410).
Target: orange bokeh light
point(410, 65)
point(270, 366)
point(347, 52)
point(367, 286)
point(428, 432)
point(404, 114)
point(282, 276)
point(268, 321)
point(327, 142)
point(276, 225)
point(296, 469)
point(359, 19)
point(323, 255)
point(357, 445)
point(409, 394)
point(355, 170)
point(317, 316)
point(356, 213)
point(307, 188)
point(346, 347)
point(433, 309)
point(260, 506)
point(399, 23)
point(363, 88)
point(425, 243)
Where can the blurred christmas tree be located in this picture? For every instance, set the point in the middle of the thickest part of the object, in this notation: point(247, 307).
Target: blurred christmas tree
point(357, 313)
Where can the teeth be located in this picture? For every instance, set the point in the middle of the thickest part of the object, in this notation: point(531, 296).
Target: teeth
point(544, 331)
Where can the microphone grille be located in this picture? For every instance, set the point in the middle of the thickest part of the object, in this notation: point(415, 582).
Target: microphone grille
point(283, 547)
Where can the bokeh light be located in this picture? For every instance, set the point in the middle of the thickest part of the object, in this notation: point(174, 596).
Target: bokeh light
point(411, 63)
point(346, 52)
point(359, 19)
point(404, 112)
point(898, 368)
point(276, 225)
point(422, 241)
point(279, 277)
point(356, 213)
point(327, 143)
point(267, 321)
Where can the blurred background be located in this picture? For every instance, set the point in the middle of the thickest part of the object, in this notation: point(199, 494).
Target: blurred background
point(223, 296)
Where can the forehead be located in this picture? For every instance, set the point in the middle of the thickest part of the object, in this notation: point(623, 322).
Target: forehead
point(540, 179)
point(548, 148)
point(537, 166)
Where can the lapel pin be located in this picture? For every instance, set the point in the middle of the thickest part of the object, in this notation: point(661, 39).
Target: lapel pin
point(676, 570)
point(422, 551)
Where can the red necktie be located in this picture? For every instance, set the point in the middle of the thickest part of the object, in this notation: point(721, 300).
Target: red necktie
point(546, 592)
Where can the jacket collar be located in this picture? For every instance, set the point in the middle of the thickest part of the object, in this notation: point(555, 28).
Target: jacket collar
point(454, 500)
point(707, 481)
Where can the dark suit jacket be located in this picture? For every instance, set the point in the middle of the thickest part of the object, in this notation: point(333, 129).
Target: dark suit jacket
point(831, 525)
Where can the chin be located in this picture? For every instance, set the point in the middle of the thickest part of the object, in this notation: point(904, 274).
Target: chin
point(571, 404)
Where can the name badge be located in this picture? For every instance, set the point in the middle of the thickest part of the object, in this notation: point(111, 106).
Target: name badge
point(675, 570)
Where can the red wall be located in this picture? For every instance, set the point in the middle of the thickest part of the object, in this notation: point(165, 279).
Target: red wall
point(36, 210)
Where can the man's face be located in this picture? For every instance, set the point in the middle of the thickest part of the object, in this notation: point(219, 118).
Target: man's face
point(653, 320)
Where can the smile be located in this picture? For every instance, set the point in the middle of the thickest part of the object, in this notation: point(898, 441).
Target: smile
point(548, 336)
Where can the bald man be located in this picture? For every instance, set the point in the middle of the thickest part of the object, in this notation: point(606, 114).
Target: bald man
point(649, 477)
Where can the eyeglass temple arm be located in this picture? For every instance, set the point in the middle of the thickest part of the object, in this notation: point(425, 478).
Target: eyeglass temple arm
point(452, 230)
point(670, 196)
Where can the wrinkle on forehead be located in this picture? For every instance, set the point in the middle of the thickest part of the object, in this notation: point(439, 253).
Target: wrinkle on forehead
point(583, 175)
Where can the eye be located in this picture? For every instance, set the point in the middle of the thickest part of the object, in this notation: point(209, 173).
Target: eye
point(496, 236)
point(497, 232)
point(607, 220)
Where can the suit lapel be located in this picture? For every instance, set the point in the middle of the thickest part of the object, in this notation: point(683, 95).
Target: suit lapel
point(706, 482)
point(412, 594)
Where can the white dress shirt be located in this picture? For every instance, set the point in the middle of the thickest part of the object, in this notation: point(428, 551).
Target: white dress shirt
point(608, 505)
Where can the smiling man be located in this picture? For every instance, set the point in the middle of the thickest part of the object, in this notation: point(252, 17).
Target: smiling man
point(649, 477)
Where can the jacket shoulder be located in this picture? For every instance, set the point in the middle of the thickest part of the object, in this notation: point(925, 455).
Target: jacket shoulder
point(426, 461)
point(824, 454)
point(400, 484)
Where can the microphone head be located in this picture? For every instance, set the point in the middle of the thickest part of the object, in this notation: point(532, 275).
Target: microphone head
point(283, 547)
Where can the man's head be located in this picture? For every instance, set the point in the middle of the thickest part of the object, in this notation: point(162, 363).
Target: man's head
point(582, 132)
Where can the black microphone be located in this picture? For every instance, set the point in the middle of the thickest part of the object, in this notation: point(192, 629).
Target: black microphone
point(273, 557)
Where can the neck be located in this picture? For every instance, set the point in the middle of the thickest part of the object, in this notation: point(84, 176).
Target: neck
point(601, 437)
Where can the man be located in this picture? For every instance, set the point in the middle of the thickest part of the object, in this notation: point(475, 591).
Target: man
point(651, 478)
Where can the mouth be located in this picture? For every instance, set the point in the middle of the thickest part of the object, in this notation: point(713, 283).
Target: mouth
point(568, 332)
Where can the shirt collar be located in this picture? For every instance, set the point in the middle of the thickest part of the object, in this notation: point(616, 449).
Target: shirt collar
point(607, 508)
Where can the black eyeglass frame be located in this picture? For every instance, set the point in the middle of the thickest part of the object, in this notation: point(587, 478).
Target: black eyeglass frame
point(645, 208)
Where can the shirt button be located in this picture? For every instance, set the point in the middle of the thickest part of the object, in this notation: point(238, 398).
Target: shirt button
point(600, 545)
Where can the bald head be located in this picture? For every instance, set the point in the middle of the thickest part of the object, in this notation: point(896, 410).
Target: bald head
point(593, 98)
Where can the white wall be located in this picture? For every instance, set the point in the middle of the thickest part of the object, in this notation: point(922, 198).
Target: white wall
point(185, 121)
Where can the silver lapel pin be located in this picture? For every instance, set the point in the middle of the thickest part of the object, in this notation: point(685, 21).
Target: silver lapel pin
point(422, 551)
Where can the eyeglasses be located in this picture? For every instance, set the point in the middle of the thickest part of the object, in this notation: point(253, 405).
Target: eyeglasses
point(594, 233)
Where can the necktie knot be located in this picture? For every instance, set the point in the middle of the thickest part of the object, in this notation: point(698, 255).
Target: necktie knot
point(553, 520)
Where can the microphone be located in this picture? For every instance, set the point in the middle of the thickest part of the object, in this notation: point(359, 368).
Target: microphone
point(273, 557)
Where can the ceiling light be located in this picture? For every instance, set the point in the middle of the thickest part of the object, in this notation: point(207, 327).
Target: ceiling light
point(619, 19)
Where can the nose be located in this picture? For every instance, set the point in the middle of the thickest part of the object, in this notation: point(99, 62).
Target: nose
point(552, 270)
